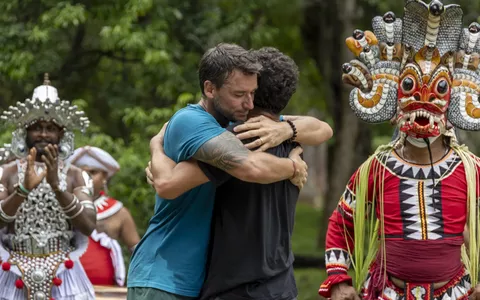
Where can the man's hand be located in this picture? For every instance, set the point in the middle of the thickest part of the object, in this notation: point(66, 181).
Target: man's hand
point(343, 291)
point(158, 139)
point(300, 176)
point(476, 293)
point(51, 161)
point(32, 179)
point(269, 133)
point(148, 172)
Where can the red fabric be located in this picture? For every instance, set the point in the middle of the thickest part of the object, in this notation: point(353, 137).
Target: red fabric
point(325, 289)
point(453, 193)
point(418, 261)
point(98, 264)
point(413, 290)
point(340, 234)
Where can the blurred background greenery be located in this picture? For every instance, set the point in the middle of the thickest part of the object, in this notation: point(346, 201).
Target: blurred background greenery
point(130, 64)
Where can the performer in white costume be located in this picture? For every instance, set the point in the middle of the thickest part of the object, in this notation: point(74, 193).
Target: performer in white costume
point(103, 260)
point(46, 208)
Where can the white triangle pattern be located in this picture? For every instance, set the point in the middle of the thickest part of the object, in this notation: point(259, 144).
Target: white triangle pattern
point(414, 211)
point(343, 257)
point(452, 293)
point(349, 198)
point(390, 293)
point(432, 219)
point(401, 168)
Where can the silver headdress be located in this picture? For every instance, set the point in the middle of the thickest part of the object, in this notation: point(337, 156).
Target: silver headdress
point(44, 105)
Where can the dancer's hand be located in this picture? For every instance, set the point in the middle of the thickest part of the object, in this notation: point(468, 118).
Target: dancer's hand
point(343, 291)
point(50, 158)
point(476, 293)
point(32, 179)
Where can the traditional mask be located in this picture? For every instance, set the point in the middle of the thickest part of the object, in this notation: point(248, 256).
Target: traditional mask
point(422, 71)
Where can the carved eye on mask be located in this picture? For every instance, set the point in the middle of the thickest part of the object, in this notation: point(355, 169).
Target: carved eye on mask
point(442, 87)
point(408, 85)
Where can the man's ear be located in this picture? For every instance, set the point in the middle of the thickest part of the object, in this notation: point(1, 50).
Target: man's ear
point(209, 89)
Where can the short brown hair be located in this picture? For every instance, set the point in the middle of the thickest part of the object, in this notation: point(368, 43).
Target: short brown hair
point(219, 62)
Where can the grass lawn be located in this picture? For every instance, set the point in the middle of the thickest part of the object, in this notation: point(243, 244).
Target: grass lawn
point(308, 281)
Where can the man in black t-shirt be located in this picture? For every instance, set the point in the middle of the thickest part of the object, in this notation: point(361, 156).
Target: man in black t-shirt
point(250, 253)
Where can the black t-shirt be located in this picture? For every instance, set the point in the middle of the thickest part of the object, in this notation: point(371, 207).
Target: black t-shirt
point(250, 253)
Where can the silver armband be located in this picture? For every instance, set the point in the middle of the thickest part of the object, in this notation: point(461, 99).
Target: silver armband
point(88, 204)
point(70, 207)
point(4, 217)
point(77, 213)
point(84, 189)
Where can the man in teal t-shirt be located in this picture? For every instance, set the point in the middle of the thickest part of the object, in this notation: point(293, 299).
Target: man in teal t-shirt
point(169, 262)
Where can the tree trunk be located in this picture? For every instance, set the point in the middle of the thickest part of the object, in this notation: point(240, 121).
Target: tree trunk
point(327, 24)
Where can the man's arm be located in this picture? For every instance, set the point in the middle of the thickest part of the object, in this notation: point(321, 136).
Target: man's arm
point(227, 153)
point(78, 206)
point(310, 131)
point(270, 133)
point(9, 203)
point(169, 179)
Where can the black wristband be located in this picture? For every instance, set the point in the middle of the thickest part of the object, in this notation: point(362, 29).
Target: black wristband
point(294, 129)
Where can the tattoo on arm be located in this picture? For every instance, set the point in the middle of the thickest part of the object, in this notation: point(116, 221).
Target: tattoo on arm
point(224, 152)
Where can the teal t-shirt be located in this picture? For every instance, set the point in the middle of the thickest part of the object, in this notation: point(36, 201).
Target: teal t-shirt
point(172, 254)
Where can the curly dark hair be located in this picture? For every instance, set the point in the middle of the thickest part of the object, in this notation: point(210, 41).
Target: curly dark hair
point(219, 62)
point(278, 79)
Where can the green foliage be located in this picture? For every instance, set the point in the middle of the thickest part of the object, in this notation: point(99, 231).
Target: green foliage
point(130, 64)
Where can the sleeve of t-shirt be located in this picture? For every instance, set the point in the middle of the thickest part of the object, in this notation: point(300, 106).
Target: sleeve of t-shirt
point(216, 175)
point(187, 131)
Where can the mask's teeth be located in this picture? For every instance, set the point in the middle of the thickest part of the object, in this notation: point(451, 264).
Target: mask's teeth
point(413, 115)
point(431, 122)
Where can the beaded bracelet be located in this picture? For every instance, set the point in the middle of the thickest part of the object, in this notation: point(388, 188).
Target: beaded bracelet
point(294, 129)
point(20, 190)
point(23, 189)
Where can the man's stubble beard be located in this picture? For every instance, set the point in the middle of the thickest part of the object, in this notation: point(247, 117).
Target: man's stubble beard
point(222, 112)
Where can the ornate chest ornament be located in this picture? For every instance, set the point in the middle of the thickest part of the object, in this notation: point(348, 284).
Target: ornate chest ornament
point(42, 238)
